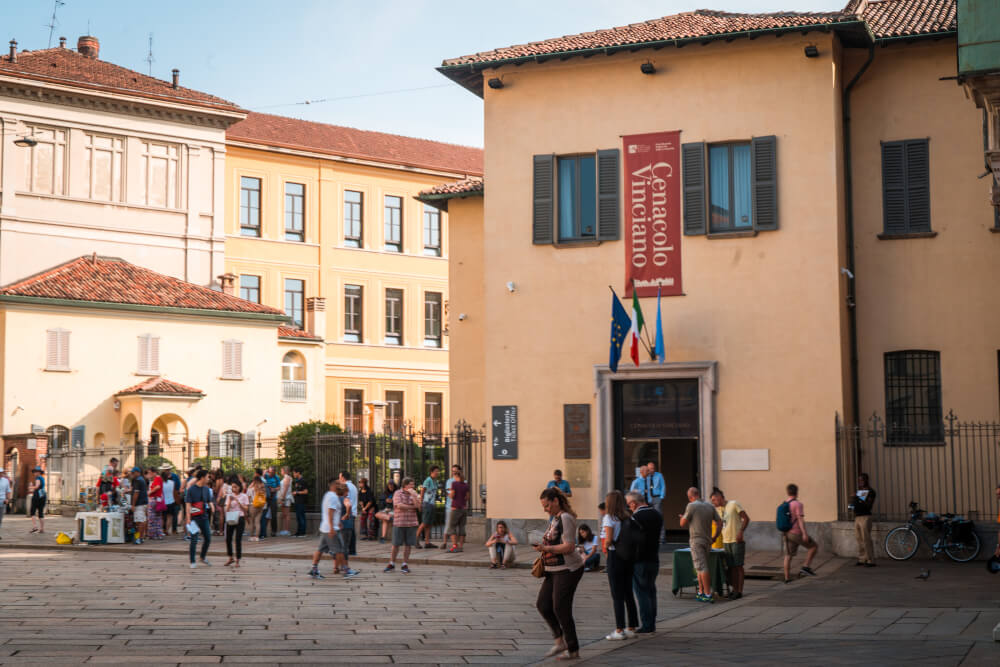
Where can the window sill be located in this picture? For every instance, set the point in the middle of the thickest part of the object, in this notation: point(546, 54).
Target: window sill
point(58, 370)
point(148, 373)
point(232, 379)
point(742, 234)
point(582, 243)
point(294, 400)
point(915, 443)
point(995, 230)
point(914, 235)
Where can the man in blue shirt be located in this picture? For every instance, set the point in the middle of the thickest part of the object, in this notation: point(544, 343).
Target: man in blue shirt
point(643, 484)
point(657, 492)
point(560, 483)
point(273, 482)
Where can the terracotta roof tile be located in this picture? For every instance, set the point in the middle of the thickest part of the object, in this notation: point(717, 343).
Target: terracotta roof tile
point(161, 385)
point(292, 332)
point(284, 132)
point(465, 187)
point(66, 66)
point(112, 280)
point(904, 18)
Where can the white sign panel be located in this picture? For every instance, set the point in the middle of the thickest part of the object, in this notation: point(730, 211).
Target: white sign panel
point(746, 459)
point(395, 464)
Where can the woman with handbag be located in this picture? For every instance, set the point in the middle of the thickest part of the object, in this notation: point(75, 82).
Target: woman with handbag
point(620, 570)
point(157, 505)
point(258, 503)
point(236, 506)
point(561, 568)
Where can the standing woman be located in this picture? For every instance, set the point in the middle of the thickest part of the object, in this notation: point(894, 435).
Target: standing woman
point(257, 494)
point(563, 571)
point(157, 505)
point(619, 570)
point(238, 502)
point(285, 501)
point(38, 496)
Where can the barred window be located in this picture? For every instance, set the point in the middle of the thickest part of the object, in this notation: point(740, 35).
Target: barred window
point(913, 397)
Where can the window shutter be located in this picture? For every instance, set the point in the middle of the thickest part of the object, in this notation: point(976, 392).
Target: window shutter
point(693, 173)
point(893, 188)
point(249, 442)
point(214, 443)
point(76, 437)
point(918, 187)
point(149, 354)
point(57, 349)
point(608, 194)
point(765, 182)
point(232, 359)
point(541, 229)
point(237, 359)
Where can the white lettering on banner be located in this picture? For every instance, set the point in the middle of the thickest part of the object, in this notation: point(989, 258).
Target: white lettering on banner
point(652, 178)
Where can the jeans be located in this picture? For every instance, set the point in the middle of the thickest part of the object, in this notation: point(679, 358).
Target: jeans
point(593, 561)
point(347, 535)
point(205, 533)
point(620, 573)
point(300, 518)
point(644, 585)
point(237, 532)
point(272, 506)
point(555, 604)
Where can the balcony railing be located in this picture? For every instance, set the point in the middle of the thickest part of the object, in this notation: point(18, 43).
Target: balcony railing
point(293, 390)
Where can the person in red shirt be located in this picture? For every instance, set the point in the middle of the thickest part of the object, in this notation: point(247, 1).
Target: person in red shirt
point(404, 524)
point(459, 494)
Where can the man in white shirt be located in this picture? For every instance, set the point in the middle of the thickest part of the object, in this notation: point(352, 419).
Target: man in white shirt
point(5, 493)
point(330, 537)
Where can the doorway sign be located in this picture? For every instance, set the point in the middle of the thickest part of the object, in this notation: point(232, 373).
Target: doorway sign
point(504, 431)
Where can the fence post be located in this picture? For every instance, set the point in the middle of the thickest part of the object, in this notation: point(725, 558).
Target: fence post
point(316, 464)
point(951, 446)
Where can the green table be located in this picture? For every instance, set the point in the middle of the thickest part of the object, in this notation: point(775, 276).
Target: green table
point(684, 575)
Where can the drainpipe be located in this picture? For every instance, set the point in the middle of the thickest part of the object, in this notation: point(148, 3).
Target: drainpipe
point(852, 314)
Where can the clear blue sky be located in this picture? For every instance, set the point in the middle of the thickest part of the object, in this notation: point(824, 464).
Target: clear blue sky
point(267, 55)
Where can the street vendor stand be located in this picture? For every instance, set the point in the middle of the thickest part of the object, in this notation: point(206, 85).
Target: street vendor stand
point(684, 575)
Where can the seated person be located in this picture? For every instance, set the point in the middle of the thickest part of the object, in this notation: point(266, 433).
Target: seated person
point(501, 547)
point(589, 547)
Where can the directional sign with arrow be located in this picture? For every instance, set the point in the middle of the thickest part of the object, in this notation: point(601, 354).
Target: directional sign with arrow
point(504, 431)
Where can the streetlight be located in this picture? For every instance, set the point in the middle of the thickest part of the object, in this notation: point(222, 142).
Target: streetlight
point(25, 142)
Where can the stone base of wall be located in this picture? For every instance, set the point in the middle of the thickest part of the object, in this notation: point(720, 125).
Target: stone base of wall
point(845, 544)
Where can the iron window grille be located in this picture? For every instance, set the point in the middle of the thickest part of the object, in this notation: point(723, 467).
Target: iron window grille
point(913, 397)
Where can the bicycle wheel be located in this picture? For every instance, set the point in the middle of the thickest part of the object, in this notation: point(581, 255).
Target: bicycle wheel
point(901, 543)
point(964, 551)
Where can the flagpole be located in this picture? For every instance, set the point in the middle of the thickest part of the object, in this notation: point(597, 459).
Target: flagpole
point(645, 329)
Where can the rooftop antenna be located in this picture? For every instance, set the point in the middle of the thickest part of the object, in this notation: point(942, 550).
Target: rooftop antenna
point(149, 56)
point(53, 22)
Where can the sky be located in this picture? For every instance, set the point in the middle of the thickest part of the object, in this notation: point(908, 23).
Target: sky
point(372, 61)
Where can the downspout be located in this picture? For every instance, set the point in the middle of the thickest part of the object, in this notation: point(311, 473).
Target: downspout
point(852, 315)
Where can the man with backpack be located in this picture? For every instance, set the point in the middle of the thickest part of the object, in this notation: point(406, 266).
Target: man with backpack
point(791, 523)
point(647, 560)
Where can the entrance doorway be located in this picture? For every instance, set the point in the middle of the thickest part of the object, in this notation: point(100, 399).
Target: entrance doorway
point(658, 420)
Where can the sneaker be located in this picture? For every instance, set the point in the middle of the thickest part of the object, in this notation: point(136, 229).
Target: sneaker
point(138, 541)
point(645, 631)
point(405, 569)
point(205, 563)
point(418, 545)
point(428, 545)
point(493, 566)
point(194, 566)
point(704, 598)
point(349, 573)
point(315, 574)
point(629, 634)
point(737, 596)
point(807, 570)
point(588, 569)
point(389, 568)
point(615, 636)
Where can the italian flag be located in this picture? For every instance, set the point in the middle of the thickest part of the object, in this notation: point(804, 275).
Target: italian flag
point(637, 324)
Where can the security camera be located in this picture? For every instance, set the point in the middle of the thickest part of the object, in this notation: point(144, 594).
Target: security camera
point(461, 317)
point(511, 286)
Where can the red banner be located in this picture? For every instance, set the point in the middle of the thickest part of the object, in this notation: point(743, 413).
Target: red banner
point(653, 213)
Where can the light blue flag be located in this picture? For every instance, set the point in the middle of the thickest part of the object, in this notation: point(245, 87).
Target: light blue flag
point(661, 350)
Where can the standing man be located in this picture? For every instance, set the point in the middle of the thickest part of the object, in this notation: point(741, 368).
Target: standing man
point(198, 499)
point(657, 492)
point(734, 524)
point(643, 485)
point(348, 533)
point(4, 493)
point(647, 560)
point(698, 517)
point(273, 483)
point(404, 524)
point(285, 501)
point(112, 467)
point(447, 504)
point(561, 484)
point(459, 493)
point(331, 539)
point(428, 491)
point(863, 502)
point(300, 490)
point(797, 536)
point(140, 502)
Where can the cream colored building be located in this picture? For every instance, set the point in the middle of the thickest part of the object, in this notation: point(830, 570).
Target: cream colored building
point(320, 210)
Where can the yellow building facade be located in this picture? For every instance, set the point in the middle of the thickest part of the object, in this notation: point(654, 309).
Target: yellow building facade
point(315, 210)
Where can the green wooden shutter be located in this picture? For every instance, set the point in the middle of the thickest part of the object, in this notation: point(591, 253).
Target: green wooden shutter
point(765, 182)
point(608, 195)
point(693, 173)
point(918, 186)
point(543, 196)
point(893, 188)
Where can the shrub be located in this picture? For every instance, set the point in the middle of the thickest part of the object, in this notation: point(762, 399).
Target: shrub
point(295, 443)
point(155, 461)
point(229, 464)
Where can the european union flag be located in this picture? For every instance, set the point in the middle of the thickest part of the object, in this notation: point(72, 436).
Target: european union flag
point(621, 323)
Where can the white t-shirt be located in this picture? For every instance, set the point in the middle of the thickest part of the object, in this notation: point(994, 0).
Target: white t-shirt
point(168, 491)
point(590, 547)
point(615, 525)
point(330, 501)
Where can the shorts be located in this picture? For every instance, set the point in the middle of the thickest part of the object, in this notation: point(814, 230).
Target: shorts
point(404, 537)
point(792, 542)
point(427, 514)
point(331, 545)
point(736, 553)
point(456, 523)
point(699, 555)
point(38, 506)
point(139, 513)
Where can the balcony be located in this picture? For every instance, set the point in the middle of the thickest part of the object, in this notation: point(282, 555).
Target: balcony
point(293, 390)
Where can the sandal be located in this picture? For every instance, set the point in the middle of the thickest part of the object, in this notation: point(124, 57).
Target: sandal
point(34, 530)
point(229, 562)
point(237, 565)
point(568, 655)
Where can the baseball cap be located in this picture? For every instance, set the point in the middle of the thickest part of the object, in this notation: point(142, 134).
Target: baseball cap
point(137, 469)
point(37, 469)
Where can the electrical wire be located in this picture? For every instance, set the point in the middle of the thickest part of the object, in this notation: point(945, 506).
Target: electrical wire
point(354, 97)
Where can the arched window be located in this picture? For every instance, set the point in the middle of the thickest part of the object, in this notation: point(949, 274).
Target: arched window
point(231, 441)
point(58, 437)
point(293, 377)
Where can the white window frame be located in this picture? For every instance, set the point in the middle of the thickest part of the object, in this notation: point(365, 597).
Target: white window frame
point(57, 350)
point(117, 151)
point(173, 158)
point(149, 355)
point(60, 147)
point(232, 359)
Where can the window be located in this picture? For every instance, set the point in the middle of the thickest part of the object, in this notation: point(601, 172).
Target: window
point(232, 444)
point(45, 162)
point(353, 219)
point(432, 231)
point(432, 319)
point(295, 198)
point(295, 293)
point(149, 355)
point(913, 397)
point(354, 410)
point(293, 377)
point(432, 414)
point(57, 350)
point(577, 198)
point(232, 360)
point(353, 306)
point(250, 288)
point(103, 167)
point(394, 223)
point(394, 411)
point(729, 184)
point(249, 206)
point(159, 174)
point(906, 189)
point(394, 317)
point(58, 437)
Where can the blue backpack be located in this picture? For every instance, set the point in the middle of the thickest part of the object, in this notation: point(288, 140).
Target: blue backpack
point(784, 519)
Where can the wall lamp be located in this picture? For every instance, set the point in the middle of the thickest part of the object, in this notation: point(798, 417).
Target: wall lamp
point(647, 68)
point(495, 83)
point(25, 142)
point(811, 51)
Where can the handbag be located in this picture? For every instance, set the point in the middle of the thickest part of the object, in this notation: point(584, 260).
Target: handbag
point(538, 568)
point(160, 506)
point(232, 518)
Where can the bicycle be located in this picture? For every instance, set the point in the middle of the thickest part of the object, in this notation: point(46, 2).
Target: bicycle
point(957, 536)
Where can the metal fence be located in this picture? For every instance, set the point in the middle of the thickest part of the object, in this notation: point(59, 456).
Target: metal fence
point(957, 473)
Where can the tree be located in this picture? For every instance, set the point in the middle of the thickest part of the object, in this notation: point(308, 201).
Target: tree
point(154, 461)
point(230, 465)
point(295, 446)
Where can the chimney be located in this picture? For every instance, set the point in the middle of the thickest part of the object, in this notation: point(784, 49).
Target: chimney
point(177, 76)
point(228, 282)
point(88, 46)
point(13, 50)
point(62, 42)
point(316, 316)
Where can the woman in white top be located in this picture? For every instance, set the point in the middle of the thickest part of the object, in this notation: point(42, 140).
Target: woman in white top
point(285, 501)
point(619, 570)
point(236, 502)
point(590, 548)
point(501, 547)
